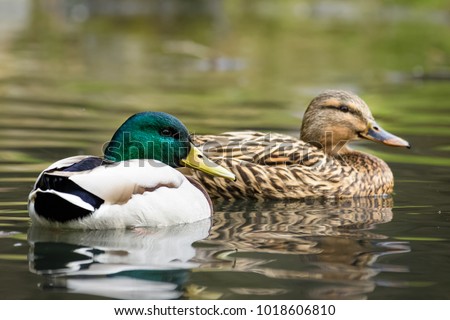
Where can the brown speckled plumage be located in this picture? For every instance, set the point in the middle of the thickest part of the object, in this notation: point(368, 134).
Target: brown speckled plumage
point(278, 166)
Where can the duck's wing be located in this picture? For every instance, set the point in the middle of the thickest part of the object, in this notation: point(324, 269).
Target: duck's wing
point(79, 163)
point(71, 189)
point(271, 166)
point(270, 149)
point(56, 197)
point(113, 183)
point(116, 183)
point(278, 181)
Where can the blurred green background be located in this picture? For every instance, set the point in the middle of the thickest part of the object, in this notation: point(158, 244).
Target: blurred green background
point(222, 65)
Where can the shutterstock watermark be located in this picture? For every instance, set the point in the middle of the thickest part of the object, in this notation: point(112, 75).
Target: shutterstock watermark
point(265, 150)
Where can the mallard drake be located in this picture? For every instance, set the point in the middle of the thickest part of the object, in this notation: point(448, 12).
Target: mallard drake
point(136, 183)
point(319, 164)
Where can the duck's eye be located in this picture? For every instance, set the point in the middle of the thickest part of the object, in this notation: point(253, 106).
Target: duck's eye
point(343, 108)
point(170, 132)
point(166, 132)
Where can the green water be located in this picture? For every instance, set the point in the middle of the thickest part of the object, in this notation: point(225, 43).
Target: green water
point(71, 72)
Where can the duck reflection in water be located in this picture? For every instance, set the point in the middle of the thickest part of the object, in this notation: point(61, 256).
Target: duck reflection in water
point(289, 250)
point(310, 250)
point(141, 263)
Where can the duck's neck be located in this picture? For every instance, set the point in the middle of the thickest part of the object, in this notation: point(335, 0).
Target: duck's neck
point(329, 142)
point(358, 160)
point(339, 148)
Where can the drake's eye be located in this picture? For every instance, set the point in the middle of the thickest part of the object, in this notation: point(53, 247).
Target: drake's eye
point(170, 132)
point(166, 132)
point(343, 108)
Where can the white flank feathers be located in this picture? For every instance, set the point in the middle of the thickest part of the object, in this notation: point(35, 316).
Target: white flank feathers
point(136, 193)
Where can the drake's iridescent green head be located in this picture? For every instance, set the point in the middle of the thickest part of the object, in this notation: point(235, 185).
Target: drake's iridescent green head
point(159, 136)
point(150, 135)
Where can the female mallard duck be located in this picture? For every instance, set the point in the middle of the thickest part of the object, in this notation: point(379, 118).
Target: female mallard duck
point(125, 188)
point(320, 164)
